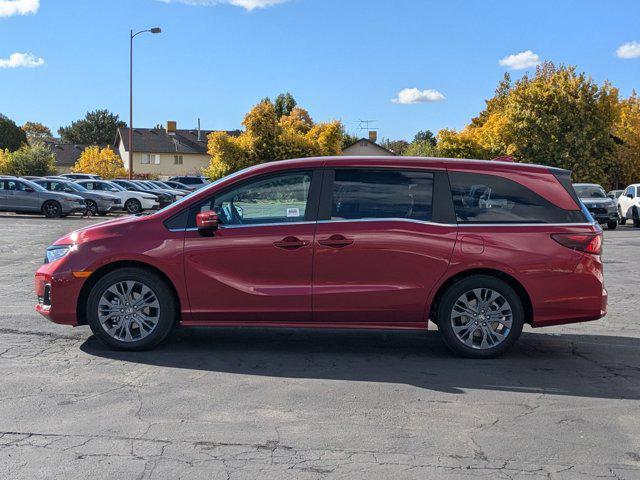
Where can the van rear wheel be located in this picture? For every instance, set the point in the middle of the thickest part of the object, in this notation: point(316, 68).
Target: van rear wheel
point(480, 317)
point(131, 309)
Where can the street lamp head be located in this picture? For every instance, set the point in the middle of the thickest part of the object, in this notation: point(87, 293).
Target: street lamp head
point(155, 30)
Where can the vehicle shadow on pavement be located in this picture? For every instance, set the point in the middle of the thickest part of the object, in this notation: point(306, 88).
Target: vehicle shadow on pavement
point(594, 366)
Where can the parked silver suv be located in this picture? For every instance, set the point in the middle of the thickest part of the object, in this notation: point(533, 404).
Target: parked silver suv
point(98, 203)
point(23, 196)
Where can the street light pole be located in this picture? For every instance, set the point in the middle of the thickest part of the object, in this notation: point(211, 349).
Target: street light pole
point(131, 37)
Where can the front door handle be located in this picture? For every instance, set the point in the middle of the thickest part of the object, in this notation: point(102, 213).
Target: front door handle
point(291, 243)
point(336, 241)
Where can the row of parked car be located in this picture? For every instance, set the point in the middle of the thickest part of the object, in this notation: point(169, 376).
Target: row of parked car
point(613, 208)
point(61, 195)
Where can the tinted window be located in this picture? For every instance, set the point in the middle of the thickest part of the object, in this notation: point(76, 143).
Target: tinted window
point(481, 198)
point(362, 194)
point(275, 199)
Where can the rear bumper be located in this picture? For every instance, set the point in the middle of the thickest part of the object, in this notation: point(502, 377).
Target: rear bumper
point(576, 297)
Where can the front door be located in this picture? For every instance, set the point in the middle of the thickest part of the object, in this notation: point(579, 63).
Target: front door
point(257, 266)
point(377, 252)
point(626, 201)
point(19, 199)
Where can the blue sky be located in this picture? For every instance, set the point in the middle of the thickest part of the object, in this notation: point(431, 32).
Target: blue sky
point(342, 59)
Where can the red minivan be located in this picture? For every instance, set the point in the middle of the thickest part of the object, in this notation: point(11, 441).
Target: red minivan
point(479, 248)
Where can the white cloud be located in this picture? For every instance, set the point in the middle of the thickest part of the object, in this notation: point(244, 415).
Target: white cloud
point(8, 8)
point(521, 60)
point(246, 4)
point(628, 50)
point(17, 60)
point(414, 95)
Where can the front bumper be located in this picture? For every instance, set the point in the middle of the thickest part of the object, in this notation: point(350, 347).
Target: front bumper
point(73, 207)
point(603, 215)
point(57, 294)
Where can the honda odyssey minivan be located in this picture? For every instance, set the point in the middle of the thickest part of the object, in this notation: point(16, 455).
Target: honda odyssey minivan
point(477, 248)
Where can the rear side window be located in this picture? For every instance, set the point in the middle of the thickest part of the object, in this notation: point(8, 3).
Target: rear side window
point(479, 198)
point(368, 194)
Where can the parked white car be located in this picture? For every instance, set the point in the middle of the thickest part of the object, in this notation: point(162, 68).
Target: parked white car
point(132, 202)
point(629, 205)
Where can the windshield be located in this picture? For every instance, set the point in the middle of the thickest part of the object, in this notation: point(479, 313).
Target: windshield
point(151, 185)
point(590, 191)
point(75, 187)
point(35, 186)
point(116, 186)
point(142, 185)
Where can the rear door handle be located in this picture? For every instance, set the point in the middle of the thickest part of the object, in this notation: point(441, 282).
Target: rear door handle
point(291, 243)
point(336, 241)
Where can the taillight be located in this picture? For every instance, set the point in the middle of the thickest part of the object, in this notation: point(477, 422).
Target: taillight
point(583, 242)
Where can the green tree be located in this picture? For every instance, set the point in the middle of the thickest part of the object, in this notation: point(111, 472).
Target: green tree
point(12, 137)
point(348, 139)
point(36, 132)
point(421, 149)
point(284, 105)
point(36, 159)
point(425, 136)
point(396, 146)
point(96, 128)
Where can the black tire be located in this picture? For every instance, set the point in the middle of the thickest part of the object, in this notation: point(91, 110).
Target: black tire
point(621, 220)
point(636, 217)
point(92, 207)
point(51, 209)
point(163, 294)
point(450, 297)
point(612, 224)
point(133, 206)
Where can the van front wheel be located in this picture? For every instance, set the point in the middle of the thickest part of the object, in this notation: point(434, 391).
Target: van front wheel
point(480, 317)
point(131, 309)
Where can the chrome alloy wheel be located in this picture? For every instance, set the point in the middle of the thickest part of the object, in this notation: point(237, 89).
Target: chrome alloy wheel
point(128, 311)
point(481, 318)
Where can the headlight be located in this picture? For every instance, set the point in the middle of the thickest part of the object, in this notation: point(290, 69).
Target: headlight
point(56, 252)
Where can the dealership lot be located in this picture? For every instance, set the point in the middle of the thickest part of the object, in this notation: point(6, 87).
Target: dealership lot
point(258, 403)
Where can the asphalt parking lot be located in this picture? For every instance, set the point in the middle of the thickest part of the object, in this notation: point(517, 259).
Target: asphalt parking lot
point(285, 404)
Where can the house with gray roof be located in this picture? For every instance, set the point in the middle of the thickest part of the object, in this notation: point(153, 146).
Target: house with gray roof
point(166, 151)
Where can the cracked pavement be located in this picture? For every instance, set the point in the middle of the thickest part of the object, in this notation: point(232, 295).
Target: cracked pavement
point(303, 404)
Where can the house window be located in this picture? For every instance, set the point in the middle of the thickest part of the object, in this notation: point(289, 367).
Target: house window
point(177, 159)
point(156, 159)
point(146, 158)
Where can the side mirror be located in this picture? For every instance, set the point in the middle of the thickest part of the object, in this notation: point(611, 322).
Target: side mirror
point(29, 190)
point(207, 222)
point(113, 189)
point(611, 196)
point(630, 195)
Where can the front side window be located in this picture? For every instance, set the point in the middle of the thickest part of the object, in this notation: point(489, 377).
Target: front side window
point(480, 198)
point(274, 199)
point(390, 194)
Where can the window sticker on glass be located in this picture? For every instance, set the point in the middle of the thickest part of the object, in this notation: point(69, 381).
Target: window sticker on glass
point(293, 212)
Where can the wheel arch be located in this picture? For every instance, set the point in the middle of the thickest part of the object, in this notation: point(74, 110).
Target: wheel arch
point(505, 277)
point(81, 306)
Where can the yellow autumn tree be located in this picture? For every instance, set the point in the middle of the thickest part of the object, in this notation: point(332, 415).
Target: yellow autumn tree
point(627, 136)
point(4, 162)
point(558, 117)
point(100, 161)
point(268, 137)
